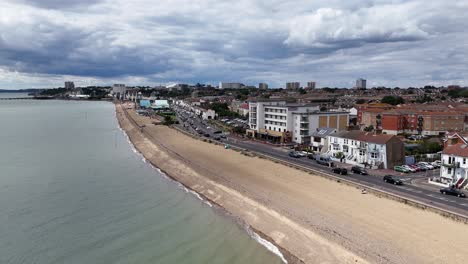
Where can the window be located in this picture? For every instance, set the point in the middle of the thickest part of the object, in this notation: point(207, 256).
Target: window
point(345, 149)
point(464, 161)
point(374, 155)
point(449, 170)
point(336, 147)
point(345, 141)
point(362, 152)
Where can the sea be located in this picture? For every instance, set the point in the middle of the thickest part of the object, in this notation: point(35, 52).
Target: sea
point(74, 190)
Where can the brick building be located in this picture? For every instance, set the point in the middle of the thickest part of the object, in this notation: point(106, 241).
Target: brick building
point(421, 122)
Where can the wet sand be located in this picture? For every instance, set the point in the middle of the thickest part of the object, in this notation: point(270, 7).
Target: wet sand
point(312, 219)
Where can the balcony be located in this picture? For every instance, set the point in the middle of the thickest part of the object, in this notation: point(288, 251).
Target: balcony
point(453, 165)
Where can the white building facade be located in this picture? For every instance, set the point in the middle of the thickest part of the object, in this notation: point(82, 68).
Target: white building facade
point(360, 148)
point(292, 121)
point(454, 169)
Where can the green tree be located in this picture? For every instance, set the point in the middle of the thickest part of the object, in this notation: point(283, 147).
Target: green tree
point(393, 100)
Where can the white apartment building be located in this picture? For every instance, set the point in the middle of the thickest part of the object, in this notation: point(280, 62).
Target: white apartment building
point(454, 169)
point(361, 148)
point(282, 122)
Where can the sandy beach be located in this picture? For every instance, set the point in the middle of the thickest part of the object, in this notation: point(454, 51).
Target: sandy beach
point(310, 218)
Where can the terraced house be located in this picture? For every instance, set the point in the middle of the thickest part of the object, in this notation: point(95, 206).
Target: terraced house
point(367, 149)
point(454, 169)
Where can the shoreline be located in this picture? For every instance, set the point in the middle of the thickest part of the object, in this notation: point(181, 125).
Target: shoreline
point(257, 235)
point(308, 218)
point(286, 255)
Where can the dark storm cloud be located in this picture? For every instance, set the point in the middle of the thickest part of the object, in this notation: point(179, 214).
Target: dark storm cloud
point(334, 42)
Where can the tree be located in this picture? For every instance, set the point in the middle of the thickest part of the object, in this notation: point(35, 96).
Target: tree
point(369, 128)
point(393, 100)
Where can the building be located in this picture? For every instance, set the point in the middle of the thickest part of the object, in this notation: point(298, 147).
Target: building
point(208, 114)
point(454, 169)
point(311, 85)
point(239, 107)
point(361, 83)
point(282, 122)
point(263, 86)
point(225, 85)
point(375, 108)
point(69, 85)
point(178, 87)
point(293, 85)
point(119, 91)
point(319, 139)
point(367, 149)
point(433, 123)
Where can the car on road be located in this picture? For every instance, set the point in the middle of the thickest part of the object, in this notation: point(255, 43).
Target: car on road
point(452, 191)
point(401, 169)
point(341, 171)
point(392, 180)
point(294, 154)
point(324, 160)
point(359, 170)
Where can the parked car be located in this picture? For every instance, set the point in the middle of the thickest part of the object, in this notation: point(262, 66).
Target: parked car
point(302, 153)
point(415, 167)
point(408, 168)
point(217, 138)
point(392, 180)
point(222, 136)
point(359, 170)
point(401, 169)
point(294, 154)
point(422, 167)
point(218, 132)
point(207, 135)
point(429, 166)
point(436, 163)
point(452, 191)
point(342, 171)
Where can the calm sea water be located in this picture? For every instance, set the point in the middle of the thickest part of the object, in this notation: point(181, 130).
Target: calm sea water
point(72, 190)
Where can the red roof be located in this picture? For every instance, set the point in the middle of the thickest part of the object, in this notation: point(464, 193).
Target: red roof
point(459, 149)
point(366, 136)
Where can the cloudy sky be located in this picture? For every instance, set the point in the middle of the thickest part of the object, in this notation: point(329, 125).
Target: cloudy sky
point(151, 42)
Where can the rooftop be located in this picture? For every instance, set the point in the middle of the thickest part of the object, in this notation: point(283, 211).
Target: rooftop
point(459, 149)
point(365, 136)
point(323, 132)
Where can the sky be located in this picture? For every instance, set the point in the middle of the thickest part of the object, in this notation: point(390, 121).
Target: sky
point(147, 42)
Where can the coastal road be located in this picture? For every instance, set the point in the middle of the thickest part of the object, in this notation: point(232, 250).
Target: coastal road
point(424, 195)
